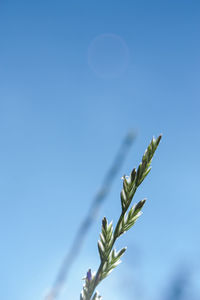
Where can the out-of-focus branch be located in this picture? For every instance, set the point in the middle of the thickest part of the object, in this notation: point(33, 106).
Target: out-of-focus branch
point(180, 285)
point(90, 217)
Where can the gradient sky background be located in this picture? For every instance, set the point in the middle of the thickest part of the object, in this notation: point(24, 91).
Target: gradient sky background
point(75, 76)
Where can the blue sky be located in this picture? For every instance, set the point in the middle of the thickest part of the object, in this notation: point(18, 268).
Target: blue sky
point(75, 77)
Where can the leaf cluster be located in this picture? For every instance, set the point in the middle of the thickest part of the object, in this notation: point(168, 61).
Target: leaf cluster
point(106, 239)
point(112, 261)
point(132, 182)
point(129, 219)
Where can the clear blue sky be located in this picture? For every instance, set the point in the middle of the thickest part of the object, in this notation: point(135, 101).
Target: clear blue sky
point(75, 76)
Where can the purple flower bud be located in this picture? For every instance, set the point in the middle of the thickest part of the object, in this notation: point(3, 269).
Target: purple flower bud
point(89, 275)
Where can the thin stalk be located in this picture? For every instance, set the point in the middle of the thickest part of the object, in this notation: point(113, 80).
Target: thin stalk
point(109, 257)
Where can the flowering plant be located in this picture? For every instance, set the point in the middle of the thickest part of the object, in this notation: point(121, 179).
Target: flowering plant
point(109, 258)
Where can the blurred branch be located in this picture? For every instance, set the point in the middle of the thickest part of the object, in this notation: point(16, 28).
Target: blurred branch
point(180, 285)
point(90, 217)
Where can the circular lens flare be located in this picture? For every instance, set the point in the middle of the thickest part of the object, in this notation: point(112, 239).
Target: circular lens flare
point(108, 55)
